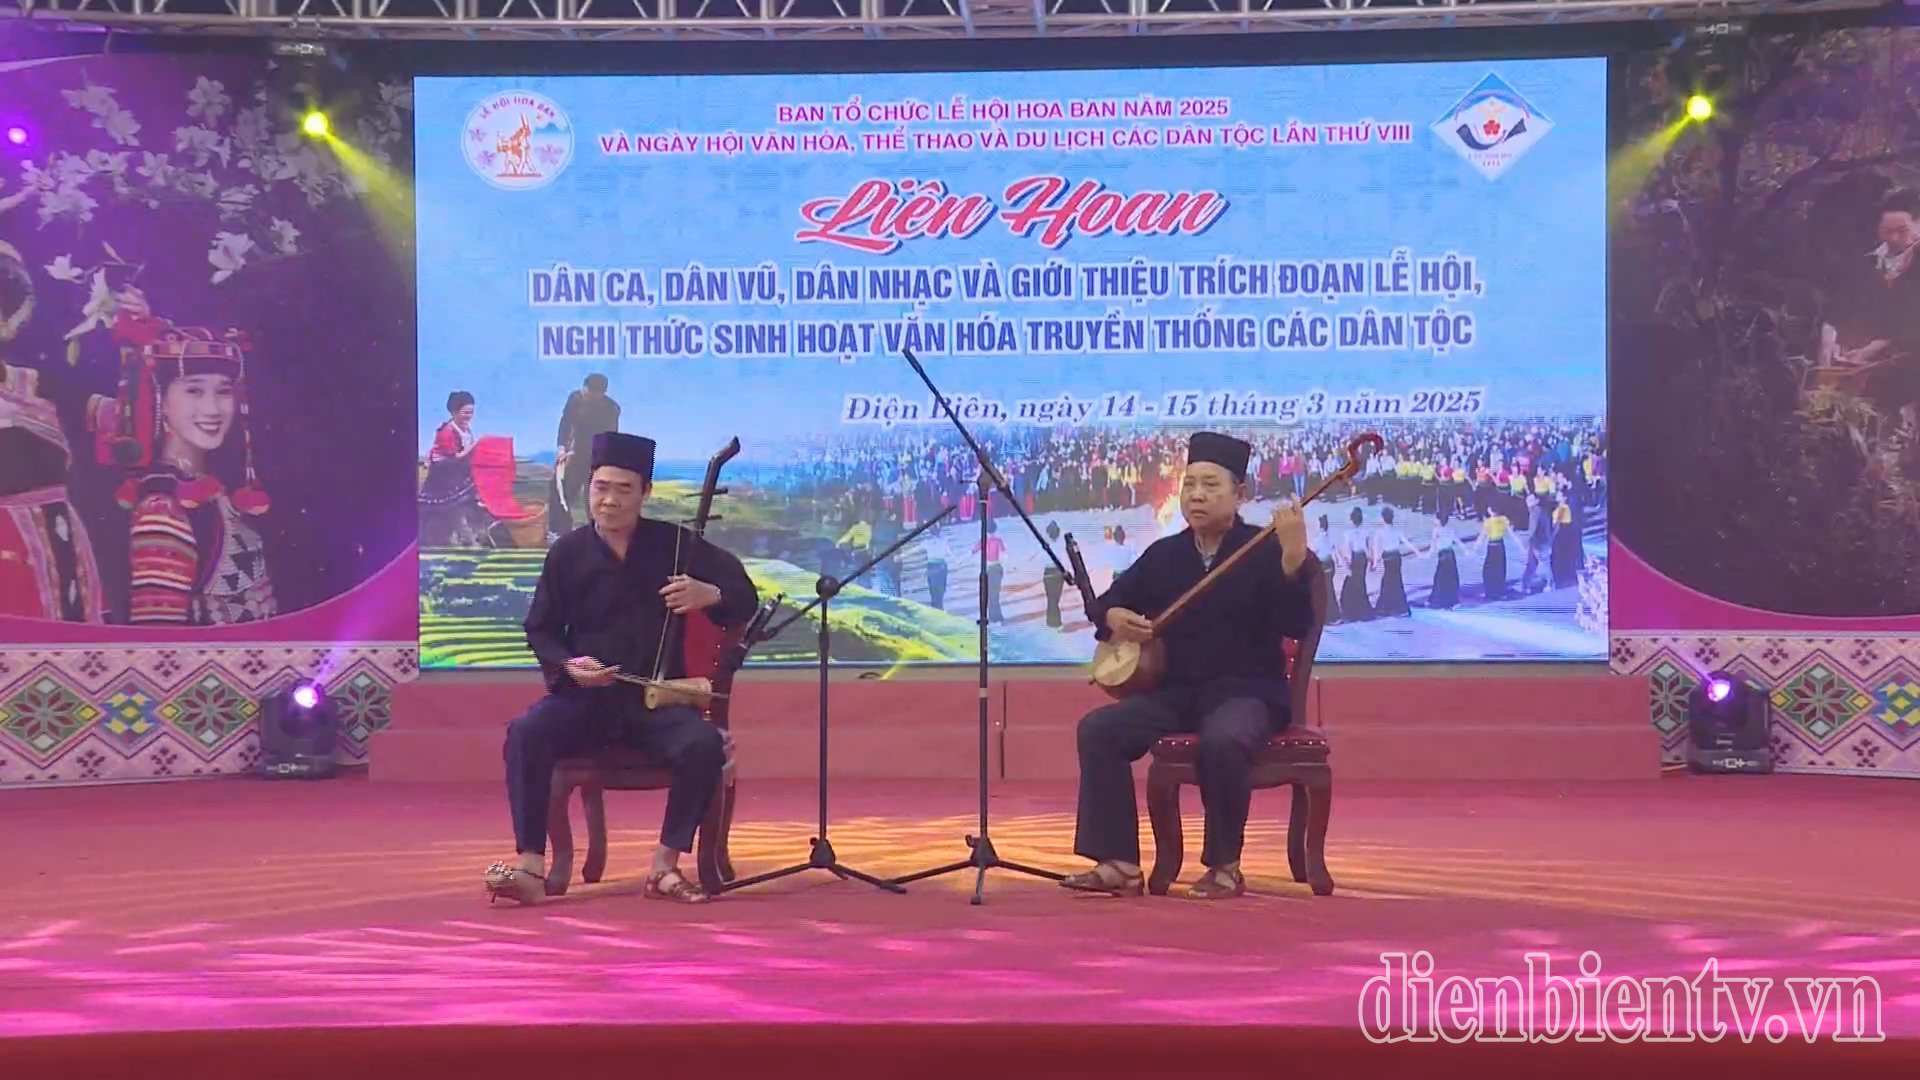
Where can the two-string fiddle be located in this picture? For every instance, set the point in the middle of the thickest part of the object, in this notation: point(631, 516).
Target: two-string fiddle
point(696, 691)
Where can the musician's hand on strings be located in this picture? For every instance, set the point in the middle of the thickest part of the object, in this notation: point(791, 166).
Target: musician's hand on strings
point(1290, 528)
point(1129, 625)
point(684, 594)
point(588, 672)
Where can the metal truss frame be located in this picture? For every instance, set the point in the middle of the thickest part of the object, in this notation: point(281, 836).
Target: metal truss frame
point(604, 20)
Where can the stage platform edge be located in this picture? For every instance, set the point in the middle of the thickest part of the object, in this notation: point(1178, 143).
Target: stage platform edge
point(1584, 724)
point(799, 1052)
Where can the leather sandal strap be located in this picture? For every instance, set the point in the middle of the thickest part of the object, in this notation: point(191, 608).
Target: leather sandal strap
point(1217, 883)
point(508, 871)
point(1095, 881)
point(673, 885)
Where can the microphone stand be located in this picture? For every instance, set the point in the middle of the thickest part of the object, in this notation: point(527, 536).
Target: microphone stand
point(983, 857)
point(821, 855)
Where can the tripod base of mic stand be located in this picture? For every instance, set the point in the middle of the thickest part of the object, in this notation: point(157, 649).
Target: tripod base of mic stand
point(984, 858)
point(822, 858)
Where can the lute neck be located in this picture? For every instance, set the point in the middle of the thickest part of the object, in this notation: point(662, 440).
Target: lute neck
point(1179, 606)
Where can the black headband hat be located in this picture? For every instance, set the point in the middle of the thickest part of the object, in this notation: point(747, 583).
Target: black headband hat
point(1225, 451)
point(633, 453)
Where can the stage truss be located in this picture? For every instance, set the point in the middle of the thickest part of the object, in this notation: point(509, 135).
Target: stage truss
point(602, 20)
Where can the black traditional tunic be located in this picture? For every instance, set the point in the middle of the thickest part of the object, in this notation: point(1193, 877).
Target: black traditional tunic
point(588, 602)
point(1228, 643)
point(1226, 681)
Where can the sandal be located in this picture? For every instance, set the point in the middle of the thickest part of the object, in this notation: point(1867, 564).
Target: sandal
point(505, 881)
point(1114, 882)
point(1218, 885)
point(673, 885)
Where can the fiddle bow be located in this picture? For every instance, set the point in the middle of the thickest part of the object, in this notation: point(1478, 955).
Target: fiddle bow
point(697, 691)
point(1126, 668)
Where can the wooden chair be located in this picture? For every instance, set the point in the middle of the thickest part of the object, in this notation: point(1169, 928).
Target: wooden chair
point(1297, 758)
point(621, 769)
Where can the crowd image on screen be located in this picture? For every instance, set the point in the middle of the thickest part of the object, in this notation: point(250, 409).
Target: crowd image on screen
point(1523, 490)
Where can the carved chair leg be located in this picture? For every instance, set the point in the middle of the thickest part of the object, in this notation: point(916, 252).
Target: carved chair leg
point(707, 843)
point(1319, 808)
point(1297, 832)
point(559, 839)
point(726, 831)
point(1163, 810)
point(593, 800)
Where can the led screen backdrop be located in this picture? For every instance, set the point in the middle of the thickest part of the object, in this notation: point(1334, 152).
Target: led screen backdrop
point(1092, 264)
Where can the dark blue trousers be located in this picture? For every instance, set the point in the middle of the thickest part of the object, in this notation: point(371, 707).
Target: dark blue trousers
point(579, 721)
point(1232, 730)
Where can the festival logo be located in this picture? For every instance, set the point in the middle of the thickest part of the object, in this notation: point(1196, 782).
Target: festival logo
point(1492, 126)
point(517, 140)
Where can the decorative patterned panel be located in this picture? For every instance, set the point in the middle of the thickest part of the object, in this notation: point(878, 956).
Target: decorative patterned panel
point(79, 715)
point(133, 715)
point(93, 714)
point(1838, 704)
point(44, 714)
point(1896, 704)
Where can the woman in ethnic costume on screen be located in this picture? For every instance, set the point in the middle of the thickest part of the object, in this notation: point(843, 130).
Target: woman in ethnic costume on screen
point(196, 556)
point(1119, 555)
point(1444, 547)
point(1330, 568)
point(1393, 547)
point(451, 511)
point(47, 568)
point(1568, 547)
point(1357, 548)
point(1493, 545)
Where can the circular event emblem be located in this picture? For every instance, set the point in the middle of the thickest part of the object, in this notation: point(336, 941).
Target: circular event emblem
point(517, 140)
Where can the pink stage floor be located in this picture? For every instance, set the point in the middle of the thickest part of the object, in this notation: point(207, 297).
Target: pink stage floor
point(229, 905)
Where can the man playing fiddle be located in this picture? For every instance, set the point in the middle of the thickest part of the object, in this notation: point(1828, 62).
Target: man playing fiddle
point(600, 609)
point(1225, 677)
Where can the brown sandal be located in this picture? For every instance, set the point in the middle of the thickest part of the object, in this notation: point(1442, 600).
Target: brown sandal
point(1093, 881)
point(508, 882)
point(673, 885)
point(1218, 885)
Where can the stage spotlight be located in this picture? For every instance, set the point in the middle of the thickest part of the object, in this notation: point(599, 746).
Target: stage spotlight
point(315, 124)
point(17, 135)
point(298, 731)
point(1727, 727)
point(1710, 62)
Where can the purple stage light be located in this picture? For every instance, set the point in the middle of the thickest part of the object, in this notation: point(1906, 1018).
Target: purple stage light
point(306, 695)
point(17, 135)
point(1718, 690)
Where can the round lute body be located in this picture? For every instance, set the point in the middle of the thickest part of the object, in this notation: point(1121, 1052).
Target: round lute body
point(1124, 669)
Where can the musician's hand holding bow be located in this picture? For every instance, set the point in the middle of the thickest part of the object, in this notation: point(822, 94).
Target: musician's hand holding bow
point(684, 594)
point(588, 672)
point(1290, 528)
point(1129, 625)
